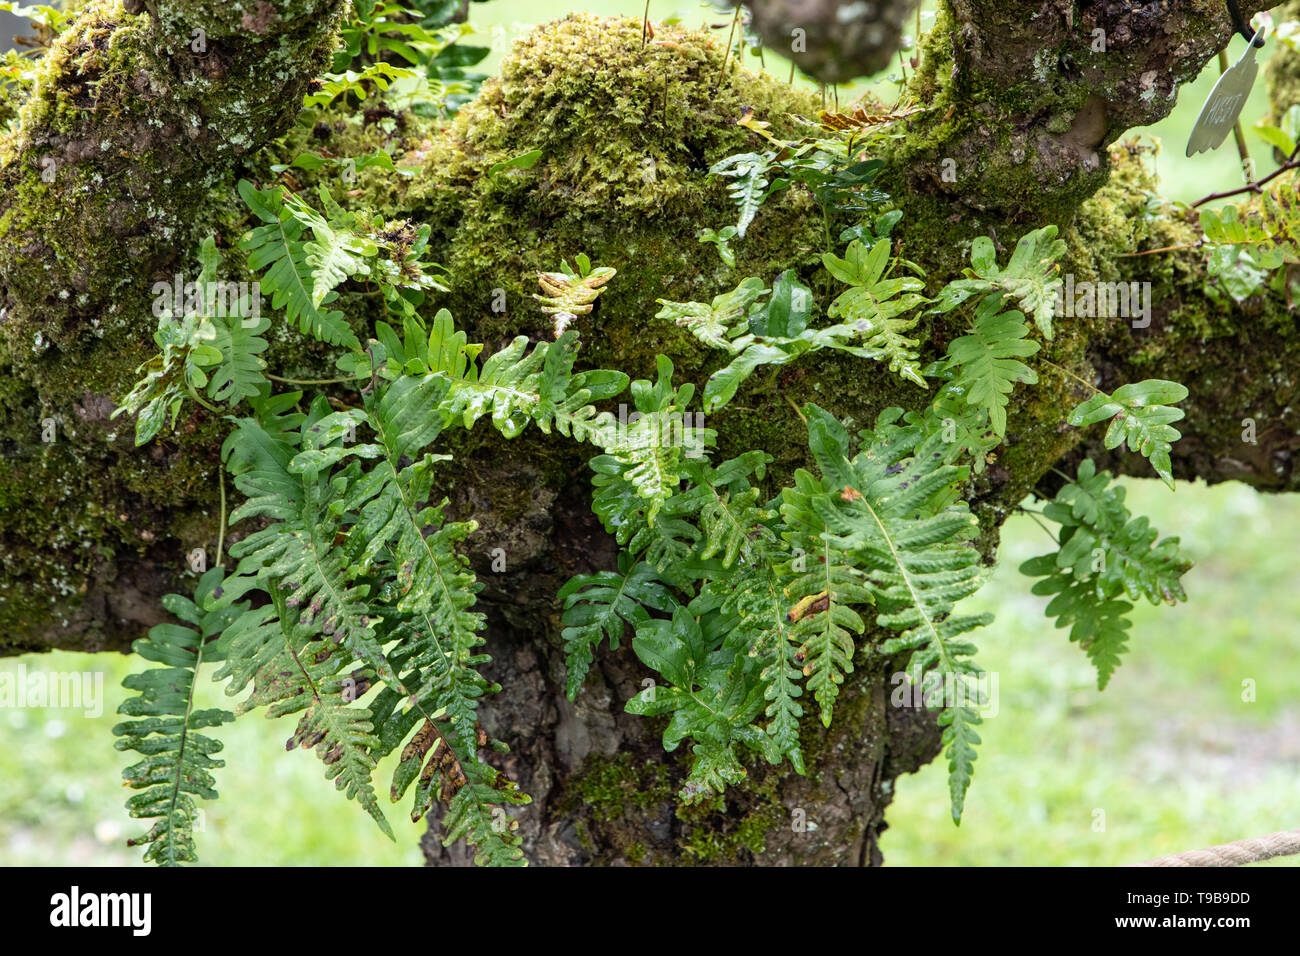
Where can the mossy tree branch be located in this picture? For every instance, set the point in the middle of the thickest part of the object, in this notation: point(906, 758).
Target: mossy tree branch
point(138, 117)
point(1026, 96)
point(627, 135)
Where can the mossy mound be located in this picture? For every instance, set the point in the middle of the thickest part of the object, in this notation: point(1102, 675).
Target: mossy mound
point(626, 135)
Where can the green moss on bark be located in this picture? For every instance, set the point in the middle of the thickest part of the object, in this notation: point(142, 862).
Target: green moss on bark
point(122, 159)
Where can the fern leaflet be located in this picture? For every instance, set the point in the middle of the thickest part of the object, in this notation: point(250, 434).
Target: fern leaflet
point(1140, 414)
point(178, 759)
point(987, 359)
point(1030, 276)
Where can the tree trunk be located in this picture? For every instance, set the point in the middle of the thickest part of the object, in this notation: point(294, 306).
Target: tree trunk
point(144, 138)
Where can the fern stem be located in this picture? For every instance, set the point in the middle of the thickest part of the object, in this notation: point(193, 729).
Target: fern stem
point(199, 398)
point(313, 381)
point(221, 530)
point(1066, 371)
point(1035, 515)
point(796, 409)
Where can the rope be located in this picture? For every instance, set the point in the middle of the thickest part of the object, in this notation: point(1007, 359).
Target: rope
point(1282, 843)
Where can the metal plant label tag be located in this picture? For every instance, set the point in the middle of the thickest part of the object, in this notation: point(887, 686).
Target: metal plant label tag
point(1226, 101)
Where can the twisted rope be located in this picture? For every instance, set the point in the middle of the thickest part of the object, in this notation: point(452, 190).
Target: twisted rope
point(1282, 843)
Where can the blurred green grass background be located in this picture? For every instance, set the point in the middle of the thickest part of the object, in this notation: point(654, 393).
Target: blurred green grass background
point(1170, 756)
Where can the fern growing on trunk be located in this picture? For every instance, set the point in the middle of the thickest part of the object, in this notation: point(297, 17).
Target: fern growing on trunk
point(352, 607)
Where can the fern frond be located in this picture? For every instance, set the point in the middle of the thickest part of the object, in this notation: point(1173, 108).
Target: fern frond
point(564, 398)
point(241, 372)
point(294, 671)
point(650, 451)
point(720, 321)
point(872, 305)
point(1098, 625)
point(475, 814)
point(299, 273)
point(750, 187)
point(572, 294)
point(776, 332)
point(178, 370)
point(822, 597)
point(1270, 233)
point(1030, 276)
point(987, 360)
point(334, 85)
point(515, 386)
point(1105, 555)
point(296, 552)
point(759, 590)
point(178, 759)
point(597, 605)
point(878, 508)
point(343, 738)
point(706, 698)
point(1140, 414)
point(948, 415)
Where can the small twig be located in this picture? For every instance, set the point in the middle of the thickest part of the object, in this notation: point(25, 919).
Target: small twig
point(1152, 252)
point(1256, 187)
point(1034, 514)
point(727, 56)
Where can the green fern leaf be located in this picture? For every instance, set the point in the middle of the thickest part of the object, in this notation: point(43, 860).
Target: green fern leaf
point(878, 508)
point(822, 598)
point(720, 321)
point(288, 263)
point(1140, 414)
point(334, 85)
point(242, 370)
point(987, 359)
point(1104, 556)
point(1100, 627)
point(650, 451)
point(750, 188)
point(475, 816)
point(1030, 276)
point(597, 605)
point(1269, 233)
point(872, 307)
point(178, 759)
point(704, 699)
